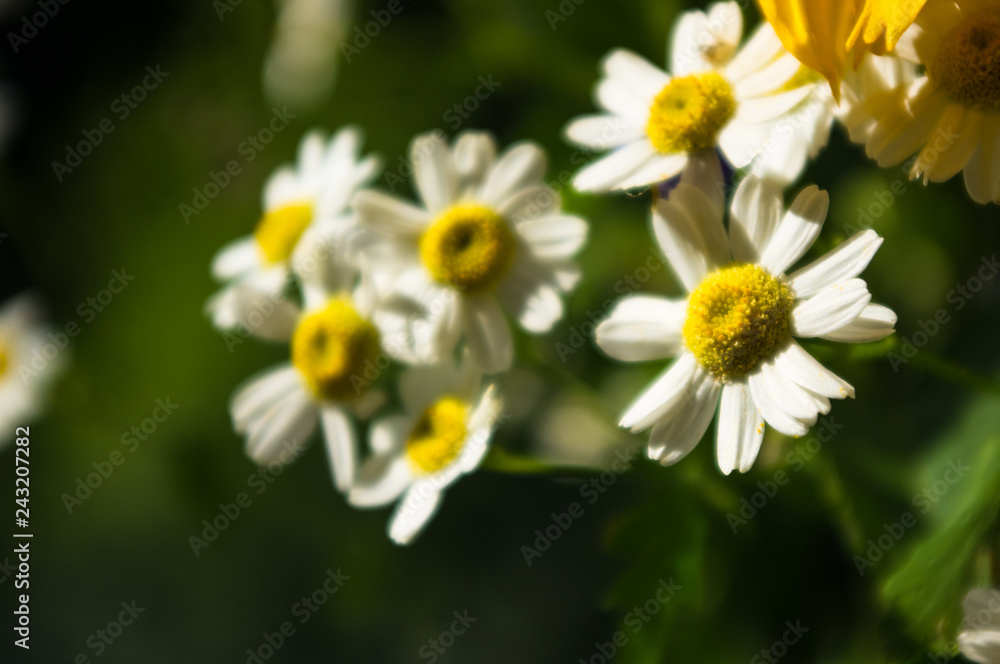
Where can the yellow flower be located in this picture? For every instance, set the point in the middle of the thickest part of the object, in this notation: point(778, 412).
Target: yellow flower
point(821, 33)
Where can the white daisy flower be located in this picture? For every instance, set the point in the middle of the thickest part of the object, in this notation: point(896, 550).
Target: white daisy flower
point(979, 639)
point(733, 334)
point(716, 97)
point(488, 232)
point(335, 355)
point(29, 362)
point(312, 195)
point(950, 116)
point(444, 434)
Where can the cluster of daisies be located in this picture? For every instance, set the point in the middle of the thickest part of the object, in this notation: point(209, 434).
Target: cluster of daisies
point(356, 280)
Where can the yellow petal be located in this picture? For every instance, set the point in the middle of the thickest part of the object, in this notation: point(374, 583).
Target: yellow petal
point(882, 22)
point(814, 31)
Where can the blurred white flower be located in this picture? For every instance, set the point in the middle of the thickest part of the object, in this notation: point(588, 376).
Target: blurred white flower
point(489, 231)
point(444, 434)
point(717, 96)
point(313, 196)
point(980, 637)
point(733, 334)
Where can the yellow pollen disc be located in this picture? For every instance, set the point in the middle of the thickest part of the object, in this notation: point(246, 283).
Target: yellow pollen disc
point(735, 318)
point(332, 348)
point(967, 65)
point(279, 231)
point(689, 112)
point(469, 247)
point(437, 437)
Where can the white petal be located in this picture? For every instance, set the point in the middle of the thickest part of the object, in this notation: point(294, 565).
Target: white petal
point(768, 79)
point(282, 430)
point(520, 166)
point(390, 215)
point(531, 202)
point(845, 262)
point(771, 406)
point(741, 428)
point(637, 74)
point(387, 436)
point(980, 646)
point(676, 386)
point(557, 236)
point(797, 231)
point(601, 132)
point(474, 153)
point(657, 169)
point(338, 432)
point(830, 309)
point(802, 368)
point(530, 296)
point(796, 401)
point(605, 173)
point(875, 322)
point(689, 235)
point(248, 309)
point(982, 174)
point(642, 327)
point(413, 512)
point(982, 610)
point(261, 392)
point(763, 46)
point(433, 172)
point(672, 439)
point(741, 143)
point(618, 99)
point(236, 258)
point(384, 489)
point(755, 214)
point(420, 386)
point(704, 172)
point(487, 334)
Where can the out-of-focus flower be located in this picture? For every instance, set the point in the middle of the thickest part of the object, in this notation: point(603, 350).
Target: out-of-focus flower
point(314, 195)
point(733, 334)
point(335, 354)
point(27, 365)
point(821, 33)
point(979, 639)
point(489, 231)
point(444, 434)
point(717, 96)
point(301, 65)
point(950, 116)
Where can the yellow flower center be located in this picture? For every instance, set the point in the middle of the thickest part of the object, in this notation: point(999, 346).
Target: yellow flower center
point(279, 231)
point(689, 112)
point(4, 360)
point(332, 348)
point(967, 65)
point(469, 247)
point(437, 437)
point(735, 318)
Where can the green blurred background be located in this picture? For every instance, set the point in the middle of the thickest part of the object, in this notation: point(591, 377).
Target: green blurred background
point(129, 540)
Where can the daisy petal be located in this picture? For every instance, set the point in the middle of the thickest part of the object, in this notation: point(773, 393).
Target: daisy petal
point(845, 262)
point(755, 214)
point(338, 433)
point(487, 334)
point(672, 440)
point(413, 512)
point(676, 385)
point(386, 488)
point(284, 427)
point(605, 173)
point(657, 169)
point(390, 215)
point(981, 646)
point(691, 251)
point(741, 428)
point(802, 368)
point(797, 231)
point(530, 297)
point(261, 392)
point(638, 75)
point(642, 327)
point(433, 172)
point(236, 258)
point(875, 322)
point(519, 166)
point(982, 174)
point(704, 172)
point(770, 404)
point(830, 309)
point(601, 132)
point(557, 236)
